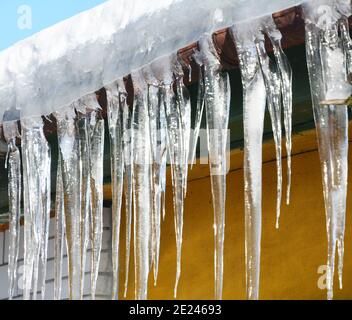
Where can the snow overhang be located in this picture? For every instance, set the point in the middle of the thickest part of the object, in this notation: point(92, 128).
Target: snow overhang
point(80, 55)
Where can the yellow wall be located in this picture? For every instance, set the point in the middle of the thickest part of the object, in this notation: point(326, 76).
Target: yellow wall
point(291, 255)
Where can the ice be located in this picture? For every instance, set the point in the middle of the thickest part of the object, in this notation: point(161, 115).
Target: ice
point(158, 153)
point(69, 151)
point(272, 82)
point(184, 104)
point(177, 114)
point(127, 154)
point(96, 123)
point(285, 73)
point(59, 232)
point(85, 52)
point(141, 151)
point(13, 164)
point(82, 123)
point(217, 94)
point(254, 100)
point(347, 46)
point(116, 96)
point(326, 59)
point(36, 181)
point(200, 109)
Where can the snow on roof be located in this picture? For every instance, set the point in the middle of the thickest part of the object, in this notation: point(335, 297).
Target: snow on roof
point(78, 56)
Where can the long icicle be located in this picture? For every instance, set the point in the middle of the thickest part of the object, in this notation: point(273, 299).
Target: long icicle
point(70, 165)
point(347, 46)
point(82, 123)
point(217, 102)
point(127, 184)
point(176, 140)
point(285, 73)
point(326, 62)
point(97, 131)
point(184, 104)
point(46, 208)
point(272, 82)
point(200, 107)
point(154, 123)
point(59, 232)
point(141, 185)
point(254, 100)
point(36, 173)
point(10, 130)
point(115, 120)
point(163, 157)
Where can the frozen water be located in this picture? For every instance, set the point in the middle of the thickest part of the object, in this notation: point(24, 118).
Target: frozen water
point(116, 104)
point(10, 130)
point(327, 61)
point(85, 52)
point(217, 94)
point(141, 152)
point(36, 176)
point(254, 100)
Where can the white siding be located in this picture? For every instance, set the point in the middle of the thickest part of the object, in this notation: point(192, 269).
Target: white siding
point(104, 285)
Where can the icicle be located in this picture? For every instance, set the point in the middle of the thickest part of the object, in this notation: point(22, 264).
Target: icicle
point(177, 111)
point(46, 208)
point(59, 231)
point(97, 129)
point(254, 99)
point(184, 104)
point(163, 157)
point(200, 107)
point(10, 129)
point(273, 89)
point(327, 70)
point(141, 185)
point(82, 123)
point(36, 181)
point(127, 154)
point(347, 46)
point(285, 73)
point(154, 129)
point(115, 119)
point(69, 150)
point(217, 101)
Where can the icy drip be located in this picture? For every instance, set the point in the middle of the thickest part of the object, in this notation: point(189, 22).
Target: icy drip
point(157, 157)
point(217, 94)
point(59, 232)
point(141, 151)
point(127, 155)
point(82, 123)
point(175, 147)
point(163, 156)
point(46, 208)
point(116, 107)
point(327, 70)
point(96, 151)
point(200, 107)
point(13, 164)
point(36, 180)
point(254, 100)
point(69, 151)
point(273, 89)
point(184, 105)
point(285, 73)
point(177, 122)
point(347, 46)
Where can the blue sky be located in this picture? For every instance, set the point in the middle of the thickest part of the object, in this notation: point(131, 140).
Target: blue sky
point(45, 13)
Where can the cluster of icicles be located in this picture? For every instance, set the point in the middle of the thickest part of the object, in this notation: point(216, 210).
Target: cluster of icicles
point(156, 131)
